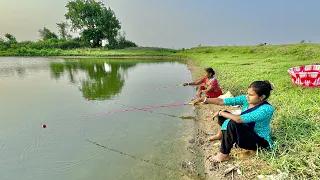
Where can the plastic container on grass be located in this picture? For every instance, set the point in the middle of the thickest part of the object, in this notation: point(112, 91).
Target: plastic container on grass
point(308, 75)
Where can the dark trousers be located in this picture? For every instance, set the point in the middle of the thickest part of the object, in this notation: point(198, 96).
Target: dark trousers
point(242, 135)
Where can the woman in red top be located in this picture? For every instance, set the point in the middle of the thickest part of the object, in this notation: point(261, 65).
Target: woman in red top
point(211, 87)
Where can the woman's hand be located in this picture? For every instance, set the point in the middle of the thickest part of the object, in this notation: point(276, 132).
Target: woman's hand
point(185, 84)
point(203, 91)
point(216, 114)
point(195, 101)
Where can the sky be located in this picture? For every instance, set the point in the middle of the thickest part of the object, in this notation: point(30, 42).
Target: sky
point(181, 23)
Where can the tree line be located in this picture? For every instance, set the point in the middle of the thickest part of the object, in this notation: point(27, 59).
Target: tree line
point(92, 20)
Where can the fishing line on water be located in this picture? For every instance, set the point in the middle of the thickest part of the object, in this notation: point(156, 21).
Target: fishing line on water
point(134, 157)
point(123, 153)
point(39, 140)
point(77, 162)
point(69, 164)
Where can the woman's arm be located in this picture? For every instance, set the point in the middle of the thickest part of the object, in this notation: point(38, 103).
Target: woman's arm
point(208, 89)
point(265, 112)
point(216, 101)
point(193, 83)
point(235, 118)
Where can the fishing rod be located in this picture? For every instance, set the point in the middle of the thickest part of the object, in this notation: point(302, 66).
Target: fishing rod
point(135, 109)
point(163, 87)
point(170, 115)
point(147, 110)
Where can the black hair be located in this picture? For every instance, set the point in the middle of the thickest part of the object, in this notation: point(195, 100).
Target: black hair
point(210, 71)
point(262, 88)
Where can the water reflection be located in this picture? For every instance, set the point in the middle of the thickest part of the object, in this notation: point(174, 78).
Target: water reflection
point(96, 78)
point(99, 79)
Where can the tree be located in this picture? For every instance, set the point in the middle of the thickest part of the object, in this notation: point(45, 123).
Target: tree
point(94, 21)
point(122, 42)
point(63, 30)
point(10, 37)
point(46, 34)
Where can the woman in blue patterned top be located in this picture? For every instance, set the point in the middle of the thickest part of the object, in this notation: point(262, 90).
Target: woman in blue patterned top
point(250, 129)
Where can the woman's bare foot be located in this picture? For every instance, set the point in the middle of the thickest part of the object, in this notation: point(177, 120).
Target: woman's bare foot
point(220, 157)
point(215, 137)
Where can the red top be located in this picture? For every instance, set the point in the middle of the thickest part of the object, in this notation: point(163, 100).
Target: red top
point(213, 93)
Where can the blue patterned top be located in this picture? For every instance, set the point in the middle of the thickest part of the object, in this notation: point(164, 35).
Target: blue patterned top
point(260, 116)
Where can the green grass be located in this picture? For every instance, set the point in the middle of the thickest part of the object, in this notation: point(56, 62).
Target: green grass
point(296, 123)
point(139, 51)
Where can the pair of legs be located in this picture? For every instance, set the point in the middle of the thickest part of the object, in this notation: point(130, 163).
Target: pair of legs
point(240, 134)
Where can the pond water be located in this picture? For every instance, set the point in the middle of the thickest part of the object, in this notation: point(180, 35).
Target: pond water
point(92, 129)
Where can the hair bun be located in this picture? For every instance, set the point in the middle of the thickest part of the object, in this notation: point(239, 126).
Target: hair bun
point(270, 84)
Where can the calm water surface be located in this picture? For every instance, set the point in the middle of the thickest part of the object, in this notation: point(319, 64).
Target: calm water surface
point(55, 92)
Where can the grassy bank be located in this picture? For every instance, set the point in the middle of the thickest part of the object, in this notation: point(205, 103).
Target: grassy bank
point(296, 124)
point(89, 52)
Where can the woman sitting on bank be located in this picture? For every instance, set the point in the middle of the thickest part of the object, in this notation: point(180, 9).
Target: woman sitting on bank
point(211, 87)
point(249, 130)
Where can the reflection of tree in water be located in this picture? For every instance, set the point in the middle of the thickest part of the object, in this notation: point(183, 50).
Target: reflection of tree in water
point(57, 70)
point(102, 79)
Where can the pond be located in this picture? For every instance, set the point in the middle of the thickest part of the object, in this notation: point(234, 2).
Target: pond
point(94, 127)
